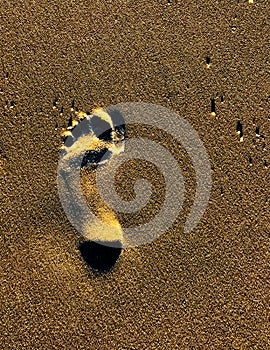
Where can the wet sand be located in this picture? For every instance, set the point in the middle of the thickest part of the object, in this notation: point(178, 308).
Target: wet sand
point(208, 289)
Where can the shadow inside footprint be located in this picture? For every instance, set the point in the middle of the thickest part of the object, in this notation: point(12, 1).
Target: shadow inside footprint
point(100, 257)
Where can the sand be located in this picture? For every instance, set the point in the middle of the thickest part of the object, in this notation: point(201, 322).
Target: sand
point(208, 289)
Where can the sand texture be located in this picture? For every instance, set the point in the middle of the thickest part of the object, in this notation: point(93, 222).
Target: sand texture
point(208, 289)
